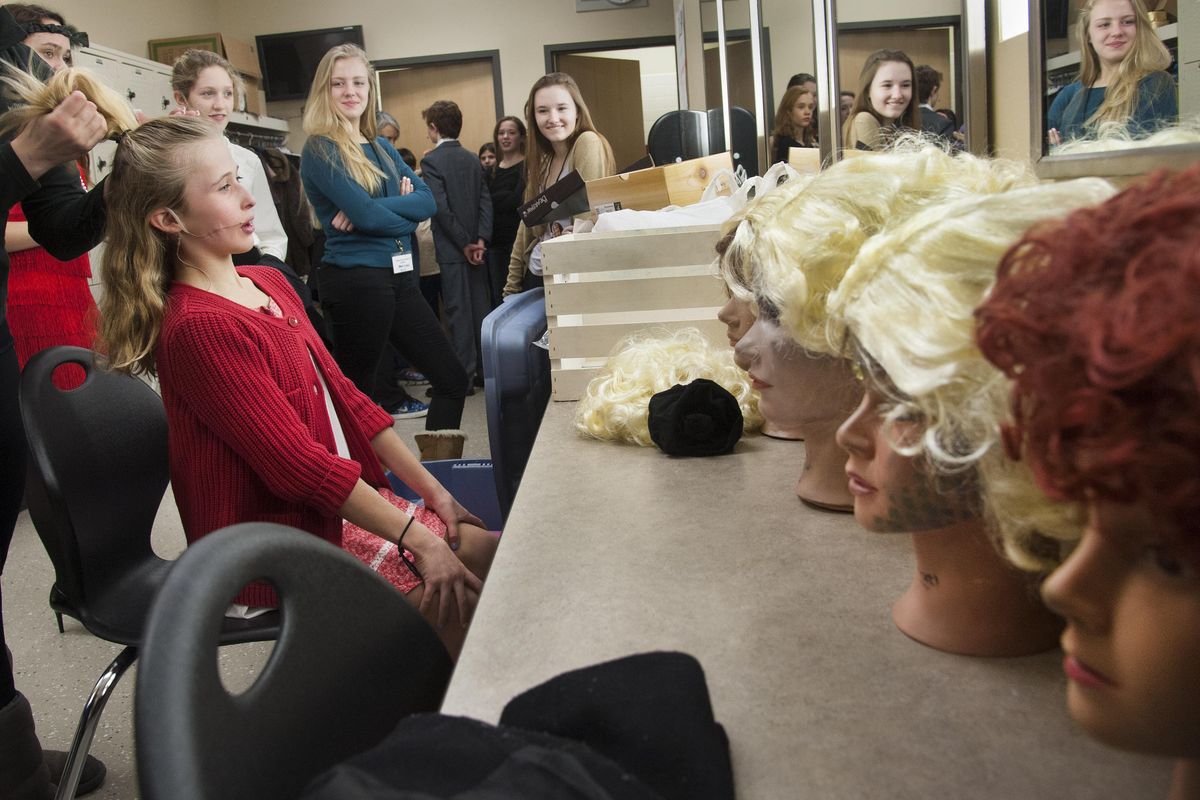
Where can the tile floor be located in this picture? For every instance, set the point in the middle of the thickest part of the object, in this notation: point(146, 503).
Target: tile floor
point(57, 671)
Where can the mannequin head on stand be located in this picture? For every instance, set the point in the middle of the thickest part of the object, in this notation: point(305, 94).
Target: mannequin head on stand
point(1096, 319)
point(790, 252)
point(924, 441)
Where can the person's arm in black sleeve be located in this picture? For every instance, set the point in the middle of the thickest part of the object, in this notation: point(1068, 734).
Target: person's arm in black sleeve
point(15, 183)
point(63, 218)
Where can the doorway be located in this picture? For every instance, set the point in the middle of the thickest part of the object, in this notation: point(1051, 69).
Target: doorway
point(472, 80)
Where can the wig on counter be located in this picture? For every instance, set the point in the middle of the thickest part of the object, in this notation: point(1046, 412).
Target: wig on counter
point(908, 303)
point(1096, 319)
point(615, 406)
point(797, 242)
point(39, 99)
point(1112, 136)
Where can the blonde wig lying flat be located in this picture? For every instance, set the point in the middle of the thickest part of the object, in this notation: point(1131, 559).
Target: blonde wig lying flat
point(1112, 136)
point(614, 407)
point(908, 301)
point(800, 240)
point(39, 99)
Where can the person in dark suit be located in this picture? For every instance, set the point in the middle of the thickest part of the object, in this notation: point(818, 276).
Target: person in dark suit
point(929, 81)
point(462, 227)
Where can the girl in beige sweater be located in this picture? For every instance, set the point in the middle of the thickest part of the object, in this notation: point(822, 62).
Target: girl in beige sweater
point(562, 139)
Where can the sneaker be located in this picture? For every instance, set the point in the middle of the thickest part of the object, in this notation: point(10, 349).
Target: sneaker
point(408, 409)
point(410, 377)
point(543, 342)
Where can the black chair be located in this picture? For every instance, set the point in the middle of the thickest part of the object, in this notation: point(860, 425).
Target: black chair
point(352, 659)
point(97, 473)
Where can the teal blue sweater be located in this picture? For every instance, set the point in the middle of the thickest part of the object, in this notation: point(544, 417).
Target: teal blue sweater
point(1156, 107)
point(383, 222)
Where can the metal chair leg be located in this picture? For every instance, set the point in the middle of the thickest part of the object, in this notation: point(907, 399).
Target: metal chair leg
point(89, 719)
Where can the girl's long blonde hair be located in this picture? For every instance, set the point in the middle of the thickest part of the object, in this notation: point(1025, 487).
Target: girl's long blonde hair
point(150, 171)
point(38, 99)
point(1146, 55)
point(538, 150)
point(321, 118)
point(187, 68)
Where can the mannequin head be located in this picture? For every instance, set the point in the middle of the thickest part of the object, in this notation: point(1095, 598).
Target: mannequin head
point(923, 440)
point(907, 303)
point(739, 312)
point(792, 249)
point(617, 400)
point(1096, 319)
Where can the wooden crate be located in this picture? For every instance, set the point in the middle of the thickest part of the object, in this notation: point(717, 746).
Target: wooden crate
point(679, 184)
point(602, 287)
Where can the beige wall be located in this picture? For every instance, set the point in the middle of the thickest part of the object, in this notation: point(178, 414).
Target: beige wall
point(127, 25)
point(411, 28)
point(873, 10)
point(1009, 95)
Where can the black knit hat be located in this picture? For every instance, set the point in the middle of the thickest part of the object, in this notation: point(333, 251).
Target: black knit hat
point(697, 419)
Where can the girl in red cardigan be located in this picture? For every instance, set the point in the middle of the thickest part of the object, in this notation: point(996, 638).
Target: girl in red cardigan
point(263, 424)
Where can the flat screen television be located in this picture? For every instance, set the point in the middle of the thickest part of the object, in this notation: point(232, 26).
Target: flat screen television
point(289, 60)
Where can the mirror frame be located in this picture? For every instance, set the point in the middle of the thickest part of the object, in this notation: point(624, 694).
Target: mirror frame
point(1113, 164)
point(973, 23)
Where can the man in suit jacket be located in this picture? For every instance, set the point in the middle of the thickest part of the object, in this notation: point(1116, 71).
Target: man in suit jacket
point(462, 227)
point(929, 81)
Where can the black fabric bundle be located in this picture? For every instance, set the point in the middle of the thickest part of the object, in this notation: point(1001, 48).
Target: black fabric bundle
point(697, 419)
point(637, 728)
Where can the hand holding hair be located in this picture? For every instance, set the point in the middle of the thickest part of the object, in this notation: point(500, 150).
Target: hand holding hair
point(73, 128)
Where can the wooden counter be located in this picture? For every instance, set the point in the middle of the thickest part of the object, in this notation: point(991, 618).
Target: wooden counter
point(611, 550)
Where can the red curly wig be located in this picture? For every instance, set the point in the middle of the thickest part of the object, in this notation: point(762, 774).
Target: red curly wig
point(1096, 320)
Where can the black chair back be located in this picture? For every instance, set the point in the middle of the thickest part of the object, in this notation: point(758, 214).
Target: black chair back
point(352, 658)
point(98, 469)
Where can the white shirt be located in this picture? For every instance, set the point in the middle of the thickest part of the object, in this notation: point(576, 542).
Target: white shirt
point(268, 230)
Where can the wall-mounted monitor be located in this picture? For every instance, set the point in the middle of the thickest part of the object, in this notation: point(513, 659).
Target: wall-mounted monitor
point(289, 60)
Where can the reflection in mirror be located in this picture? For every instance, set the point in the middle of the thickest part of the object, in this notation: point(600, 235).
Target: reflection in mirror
point(898, 75)
point(1126, 67)
point(787, 50)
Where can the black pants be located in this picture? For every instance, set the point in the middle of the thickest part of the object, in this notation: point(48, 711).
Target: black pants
point(12, 480)
point(368, 306)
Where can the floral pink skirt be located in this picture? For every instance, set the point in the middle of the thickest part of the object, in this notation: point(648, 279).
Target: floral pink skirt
point(381, 555)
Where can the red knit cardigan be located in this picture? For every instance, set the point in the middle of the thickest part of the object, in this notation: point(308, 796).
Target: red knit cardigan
point(250, 439)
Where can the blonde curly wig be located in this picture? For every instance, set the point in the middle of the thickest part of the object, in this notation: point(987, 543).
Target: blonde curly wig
point(797, 242)
point(616, 403)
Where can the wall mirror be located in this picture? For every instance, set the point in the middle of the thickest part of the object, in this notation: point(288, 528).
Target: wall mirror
point(764, 43)
point(1069, 66)
point(949, 36)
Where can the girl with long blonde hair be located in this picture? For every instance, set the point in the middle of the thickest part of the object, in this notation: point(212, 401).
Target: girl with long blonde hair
point(1122, 78)
point(562, 138)
point(263, 424)
point(369, 203)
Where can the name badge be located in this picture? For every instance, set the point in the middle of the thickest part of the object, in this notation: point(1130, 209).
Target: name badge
point(401, 262)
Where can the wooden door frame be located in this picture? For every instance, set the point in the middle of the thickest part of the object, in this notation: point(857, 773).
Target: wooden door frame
point(391, 64)
point(954, 23)
point(575, 48)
